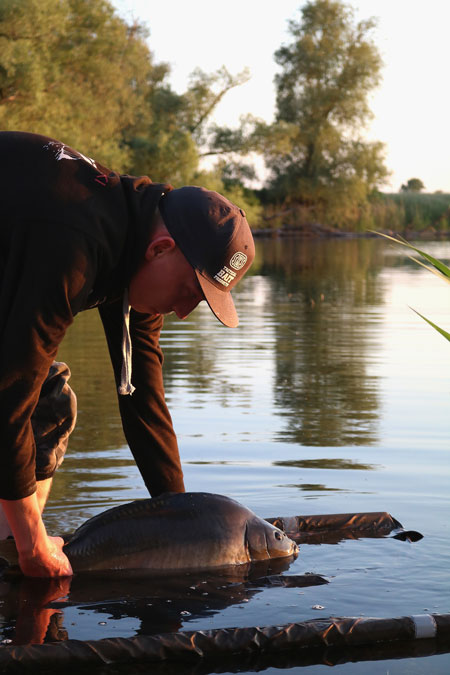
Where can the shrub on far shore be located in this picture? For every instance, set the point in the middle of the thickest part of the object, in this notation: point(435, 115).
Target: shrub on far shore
point(422, 210)
point(401, 212)
point(405, 212)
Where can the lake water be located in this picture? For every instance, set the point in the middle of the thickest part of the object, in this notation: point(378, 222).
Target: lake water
point(332, 396)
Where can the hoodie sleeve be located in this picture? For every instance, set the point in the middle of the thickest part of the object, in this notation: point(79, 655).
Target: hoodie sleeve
point(145, 417)
point(39, 296)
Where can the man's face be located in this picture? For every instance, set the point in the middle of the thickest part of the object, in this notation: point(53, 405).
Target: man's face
point(165, 282)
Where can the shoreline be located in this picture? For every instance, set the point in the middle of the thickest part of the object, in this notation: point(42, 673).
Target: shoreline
point(317, 231)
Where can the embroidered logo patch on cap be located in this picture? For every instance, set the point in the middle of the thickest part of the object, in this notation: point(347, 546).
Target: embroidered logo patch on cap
point(238, 261)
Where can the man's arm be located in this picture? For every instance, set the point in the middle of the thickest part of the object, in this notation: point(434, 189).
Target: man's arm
point(145, 417)
point(39, 554)
point(37, 312)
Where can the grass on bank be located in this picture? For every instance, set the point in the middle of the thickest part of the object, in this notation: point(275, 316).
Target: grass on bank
point(414, 210)
point(403, 212)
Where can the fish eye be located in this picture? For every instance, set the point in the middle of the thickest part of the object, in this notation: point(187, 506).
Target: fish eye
point(278, 536)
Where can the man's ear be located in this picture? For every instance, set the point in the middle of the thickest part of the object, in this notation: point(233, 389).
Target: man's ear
point(160, 245)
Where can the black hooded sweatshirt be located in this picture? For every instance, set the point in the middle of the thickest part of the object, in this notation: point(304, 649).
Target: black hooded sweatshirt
point(72, 233)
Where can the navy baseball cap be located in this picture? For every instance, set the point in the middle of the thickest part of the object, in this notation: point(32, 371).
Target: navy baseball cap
point(215, 237)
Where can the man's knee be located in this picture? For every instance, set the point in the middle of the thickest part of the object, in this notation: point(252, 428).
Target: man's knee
point(53, 420)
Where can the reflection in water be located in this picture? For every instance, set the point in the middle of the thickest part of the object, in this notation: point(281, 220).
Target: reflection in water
point(26, 613)
point(203, 462)
point(317, 487)
point(326, 463)
point(32, 610)
point(322, 386)
point(294, 661)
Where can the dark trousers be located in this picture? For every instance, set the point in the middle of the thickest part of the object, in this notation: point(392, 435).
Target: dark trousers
point(53, 420)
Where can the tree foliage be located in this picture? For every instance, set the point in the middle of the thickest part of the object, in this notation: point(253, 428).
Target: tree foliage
point(412, 185)
point(314, 150)
point(74, 70)
point(172, 133)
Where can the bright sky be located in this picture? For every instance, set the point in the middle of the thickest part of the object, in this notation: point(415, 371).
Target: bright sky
point(411, 106)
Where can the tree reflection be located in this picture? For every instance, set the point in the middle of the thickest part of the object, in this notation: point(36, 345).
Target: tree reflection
point(317, 487)
point(326, 463)
point(319, 296)
point(84, 350)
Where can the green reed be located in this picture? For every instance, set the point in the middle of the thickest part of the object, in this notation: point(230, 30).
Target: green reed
point(432, 264)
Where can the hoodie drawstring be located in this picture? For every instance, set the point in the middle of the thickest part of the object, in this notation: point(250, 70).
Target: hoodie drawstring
point(125, 376)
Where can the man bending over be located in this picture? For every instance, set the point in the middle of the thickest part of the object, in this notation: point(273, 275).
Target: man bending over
point(75, 235)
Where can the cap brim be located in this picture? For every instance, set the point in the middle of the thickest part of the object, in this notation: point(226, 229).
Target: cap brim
point(220, 302)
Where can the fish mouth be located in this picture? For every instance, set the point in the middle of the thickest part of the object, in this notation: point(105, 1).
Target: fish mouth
point(290, 549)
point(293, 548)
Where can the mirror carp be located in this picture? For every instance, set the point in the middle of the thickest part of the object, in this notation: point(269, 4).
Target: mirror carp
point(176, 531)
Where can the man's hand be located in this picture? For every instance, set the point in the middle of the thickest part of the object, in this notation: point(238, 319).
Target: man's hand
point(39, 554)
point(46, 561)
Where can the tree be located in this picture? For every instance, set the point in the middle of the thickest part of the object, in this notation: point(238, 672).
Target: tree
point(172, 131)
point(413, 185)
point(74, 70)
point(314, 150)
